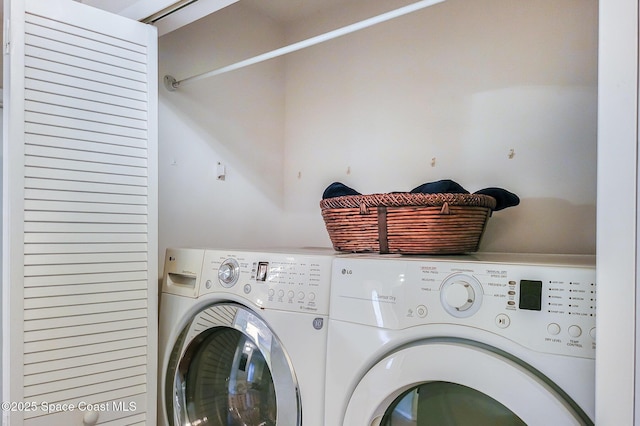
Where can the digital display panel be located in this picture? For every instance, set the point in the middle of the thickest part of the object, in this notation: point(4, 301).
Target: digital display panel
point(261, 273)
point(531, 295)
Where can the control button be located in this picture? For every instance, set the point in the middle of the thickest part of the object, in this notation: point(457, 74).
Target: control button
point(208, 284)
point(421, 311)
point(247, 288)
point(272, 292)
point(281, 293)
point(290, 294)
point(575, 331)
point(459, 295)
point(503, 321)
point(511, 293)
point(553, 329)
point(300, 295)
point(312, 296)
point(228, 273)
point(592, 333)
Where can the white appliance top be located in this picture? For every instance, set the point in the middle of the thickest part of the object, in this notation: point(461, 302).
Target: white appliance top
point(571, 260)
point(545, 303)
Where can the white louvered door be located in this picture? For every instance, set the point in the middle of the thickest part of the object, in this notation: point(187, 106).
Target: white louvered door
point(80, 218)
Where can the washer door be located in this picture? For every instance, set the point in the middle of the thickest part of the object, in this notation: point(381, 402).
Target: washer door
point(452, 383)
point(228, 368)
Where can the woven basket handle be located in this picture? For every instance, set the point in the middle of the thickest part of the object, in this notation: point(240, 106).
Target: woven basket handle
point(383, 238)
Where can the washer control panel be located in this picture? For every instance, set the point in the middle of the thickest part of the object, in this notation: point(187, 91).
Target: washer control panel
point(297, 282)
point(545, 303)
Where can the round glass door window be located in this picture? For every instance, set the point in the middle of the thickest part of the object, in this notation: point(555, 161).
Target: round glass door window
point(447, 404)
point(230, 370)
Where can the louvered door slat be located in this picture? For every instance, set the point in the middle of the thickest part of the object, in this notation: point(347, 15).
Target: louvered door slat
point(79, 123)
point(79, 83)
point(96, 237)
point(39, 106)
point(83, 176)
point(134, 420)
point(118, 47)
point(48, 50)
point(84, 187)
point(85, 156)
point(43, 347)
point(85, 248)
point(35, 62)
point(67, 258)
point(84, 279)
point(79, 232)
point(87, 319)
point(87, 194)
point(40, 195)
point(71, 373)
point(64, 363)
point(83, 145)
point(85, 103)
point(81, 330)
point(82, 165)
point(75, 218)
point(43, 393)
point(83, 300)
point(85, 309)
point(65, 206)
point(44, 40)
point(36, 83)
point(88, 135)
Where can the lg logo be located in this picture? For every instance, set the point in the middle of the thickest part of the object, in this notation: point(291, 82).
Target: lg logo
point(318, 323)
point(346, 271)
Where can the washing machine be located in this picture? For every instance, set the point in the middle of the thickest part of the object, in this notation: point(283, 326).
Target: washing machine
point(486, 339)
point(242, 337)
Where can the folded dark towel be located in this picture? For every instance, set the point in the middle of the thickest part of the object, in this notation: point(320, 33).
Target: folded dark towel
point(338, 189)
point(503, 197)
point(444, 186)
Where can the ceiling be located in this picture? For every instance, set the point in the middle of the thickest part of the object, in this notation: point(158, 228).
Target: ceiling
point(290, 10)
point(279, 10)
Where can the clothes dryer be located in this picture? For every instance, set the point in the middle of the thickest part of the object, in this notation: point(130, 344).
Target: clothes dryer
point(242, 337)
point(484, 340)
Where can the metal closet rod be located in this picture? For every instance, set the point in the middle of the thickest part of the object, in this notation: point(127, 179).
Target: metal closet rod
point(172, 84)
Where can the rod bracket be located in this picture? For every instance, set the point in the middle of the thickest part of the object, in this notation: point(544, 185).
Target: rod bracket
point(170, 83)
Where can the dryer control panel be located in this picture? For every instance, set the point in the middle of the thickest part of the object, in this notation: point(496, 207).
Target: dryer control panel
point(545, 303)
point(298, 282)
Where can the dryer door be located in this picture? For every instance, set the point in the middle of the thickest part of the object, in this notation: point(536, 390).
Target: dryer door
point(452, 383)
point(228, 368)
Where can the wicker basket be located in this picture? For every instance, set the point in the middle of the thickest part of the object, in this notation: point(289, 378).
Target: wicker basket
point(409, 223)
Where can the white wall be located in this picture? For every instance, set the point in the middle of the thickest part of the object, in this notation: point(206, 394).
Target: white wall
point(236, 119)
point(462, 82)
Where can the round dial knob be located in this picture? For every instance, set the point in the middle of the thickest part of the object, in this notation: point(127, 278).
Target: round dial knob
point(461, 295)
point(228, 273)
